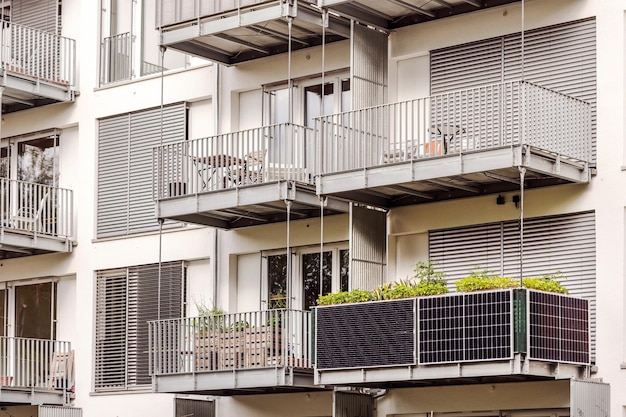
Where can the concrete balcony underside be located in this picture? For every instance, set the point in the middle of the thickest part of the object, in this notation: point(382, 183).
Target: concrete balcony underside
point(393, 14)
point(239, 35)
point(238, 382)
point(514, 370)
point(21, 92)
point(249, 205)
point(17, 243)
point(452, 176)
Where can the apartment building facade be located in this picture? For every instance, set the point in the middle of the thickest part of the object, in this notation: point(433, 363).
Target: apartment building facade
point(164, 159)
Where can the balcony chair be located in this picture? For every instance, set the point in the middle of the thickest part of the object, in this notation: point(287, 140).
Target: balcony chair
point(62, 371)
point(249, 172)
point(33, 219)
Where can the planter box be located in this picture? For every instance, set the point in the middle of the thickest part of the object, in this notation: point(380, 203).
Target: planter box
point(453, 328)
point(249, 347)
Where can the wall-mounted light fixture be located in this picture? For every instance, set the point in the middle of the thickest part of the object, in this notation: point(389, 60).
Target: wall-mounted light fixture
point(500, 200)
point(516, 200)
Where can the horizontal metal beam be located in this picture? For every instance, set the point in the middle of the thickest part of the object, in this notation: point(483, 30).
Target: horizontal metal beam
point(413, 8)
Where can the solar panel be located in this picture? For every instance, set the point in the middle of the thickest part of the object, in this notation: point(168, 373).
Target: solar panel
point(559, 328)
point(465, 327)
point(366, 334)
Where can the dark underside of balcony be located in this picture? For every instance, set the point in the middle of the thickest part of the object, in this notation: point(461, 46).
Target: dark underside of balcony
point(16, 243)
point(22, 92)
point(262, 29)
point(250, 205)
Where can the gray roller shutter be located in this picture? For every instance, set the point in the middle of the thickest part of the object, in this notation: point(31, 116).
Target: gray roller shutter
point(196, 408)
point(37, 14)
point(564, 243)
point(590, 398)
point(560, 57)
point(126, 298)
point(368, 247)
point(57, 411)
point(369, 66)
point(125, 142)
point(352, 404)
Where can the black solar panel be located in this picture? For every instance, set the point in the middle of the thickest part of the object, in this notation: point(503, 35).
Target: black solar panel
point(559, 328)
point(366, 335)
point(465, 327)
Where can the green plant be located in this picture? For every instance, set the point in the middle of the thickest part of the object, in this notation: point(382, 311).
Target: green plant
point(482, 279)
point(426, 281)
point(547, 282)
point(209, 317)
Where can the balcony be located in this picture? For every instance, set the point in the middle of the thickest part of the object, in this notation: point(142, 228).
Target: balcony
point(453, 145)
point(492, 336)
point(36, 371)
point(34, 219)
point(240, 179)
point(233, 354)
point(393, 14)
point(38, 68)
point(234, 31)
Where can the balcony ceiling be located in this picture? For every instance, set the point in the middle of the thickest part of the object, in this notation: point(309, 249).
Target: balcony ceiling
point(249, 206)
point(262, 29)
point(394, 14)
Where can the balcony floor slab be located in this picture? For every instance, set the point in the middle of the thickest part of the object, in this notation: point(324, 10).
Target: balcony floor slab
point(451, 176)
point(247, 206)
point(14, 243)
point(237, 382)
point(22, 92)
point(516, 369)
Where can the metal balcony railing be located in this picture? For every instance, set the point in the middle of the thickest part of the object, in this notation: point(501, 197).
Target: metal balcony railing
point(171, 12)
point(36, 209)
point(36, 363)
point(38, 54)
point(240, 341)
point(477, 119)
point(115, 58)
point(231, 160)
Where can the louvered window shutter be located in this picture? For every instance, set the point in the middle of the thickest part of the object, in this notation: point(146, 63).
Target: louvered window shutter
point(560, 57)
point(564, 243)
point(125, 203)
point(126, 301)
point(37, 14)
point(111, 315)
point(197, 408)
point(368, 247)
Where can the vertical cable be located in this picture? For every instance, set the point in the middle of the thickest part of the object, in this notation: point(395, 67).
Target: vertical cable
point(290, 96)
point(522, 172)
point(321, 289)
point(522, 46)
point(160, 220)
point(289, 283)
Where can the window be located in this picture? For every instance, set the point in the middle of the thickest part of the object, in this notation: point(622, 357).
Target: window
point(126, 298)
point(33, 159)
point(308, 283)
point(28, 310)
point(130, 42)
point(125, 142)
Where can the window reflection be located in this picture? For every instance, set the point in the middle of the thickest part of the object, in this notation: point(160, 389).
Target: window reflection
point(311, 277)
point(277, 280)
point(34, 311)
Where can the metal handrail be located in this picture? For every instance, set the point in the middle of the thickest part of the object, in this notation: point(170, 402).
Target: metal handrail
point(281, 152)
point(36, 209)
point(453, 123)
point(116, 58)
point(38, 54)
point(239, 341)
point(36, 363)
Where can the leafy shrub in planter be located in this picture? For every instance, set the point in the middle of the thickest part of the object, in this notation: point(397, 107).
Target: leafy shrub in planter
point(546, 282)
point(480, 280)
point(425, 281)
